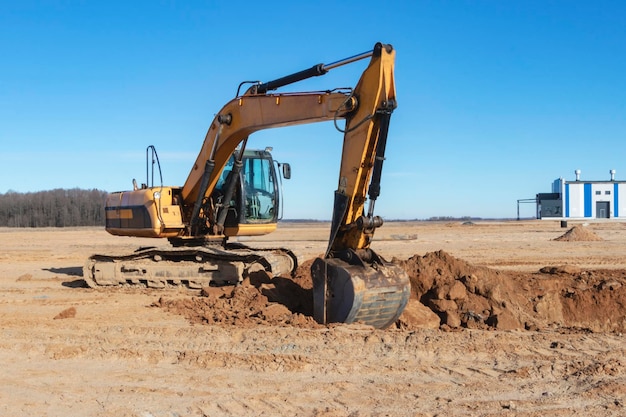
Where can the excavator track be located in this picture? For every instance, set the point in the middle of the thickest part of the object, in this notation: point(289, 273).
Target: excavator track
point(192, 267)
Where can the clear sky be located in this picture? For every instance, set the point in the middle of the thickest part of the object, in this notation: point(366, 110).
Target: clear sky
point(496, 99)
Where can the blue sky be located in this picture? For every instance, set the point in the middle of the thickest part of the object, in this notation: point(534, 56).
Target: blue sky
point(496, 99)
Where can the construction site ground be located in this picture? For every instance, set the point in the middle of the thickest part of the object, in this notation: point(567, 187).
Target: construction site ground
point(523, 318)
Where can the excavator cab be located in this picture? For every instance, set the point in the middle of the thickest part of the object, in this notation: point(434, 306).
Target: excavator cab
point(255, 206)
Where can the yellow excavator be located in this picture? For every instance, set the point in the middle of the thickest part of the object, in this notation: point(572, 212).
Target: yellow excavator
point(234, 191)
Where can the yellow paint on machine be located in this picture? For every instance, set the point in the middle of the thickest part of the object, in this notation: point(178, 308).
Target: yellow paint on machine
point(250, 229)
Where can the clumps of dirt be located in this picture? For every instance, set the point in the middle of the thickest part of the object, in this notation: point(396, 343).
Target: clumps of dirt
point(461, 294)
point(259, 299)
point(578, 233)
point(468, 296)
point(68, 313)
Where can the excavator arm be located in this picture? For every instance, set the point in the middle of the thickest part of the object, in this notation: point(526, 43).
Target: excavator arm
point(352, 283)
point(367, 110)
point(365, 138)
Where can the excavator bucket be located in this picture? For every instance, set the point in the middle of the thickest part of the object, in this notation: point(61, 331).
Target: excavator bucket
point(373, 294)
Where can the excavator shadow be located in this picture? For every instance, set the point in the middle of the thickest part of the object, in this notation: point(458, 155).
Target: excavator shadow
point(72, 271)
point(75, 271)
point(285, 291)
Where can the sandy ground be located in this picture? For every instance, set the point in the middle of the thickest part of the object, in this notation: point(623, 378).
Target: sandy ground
point(66, 350)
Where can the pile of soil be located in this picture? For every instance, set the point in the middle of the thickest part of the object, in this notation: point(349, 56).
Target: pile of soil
point(259, 299)
point(578, 233)
point(459, 294)
point(464, 295)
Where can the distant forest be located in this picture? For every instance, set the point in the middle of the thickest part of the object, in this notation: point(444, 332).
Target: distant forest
point(53, 208)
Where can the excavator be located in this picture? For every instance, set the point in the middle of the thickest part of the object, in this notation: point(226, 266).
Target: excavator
point(233, 191)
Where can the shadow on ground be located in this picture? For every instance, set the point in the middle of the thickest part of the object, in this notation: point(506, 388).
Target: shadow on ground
point(74, 271)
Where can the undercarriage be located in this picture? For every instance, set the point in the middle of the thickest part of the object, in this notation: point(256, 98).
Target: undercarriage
point(192, 267)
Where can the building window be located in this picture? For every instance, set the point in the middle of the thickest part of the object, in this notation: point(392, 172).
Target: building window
point(607, 192)
point(598, 192)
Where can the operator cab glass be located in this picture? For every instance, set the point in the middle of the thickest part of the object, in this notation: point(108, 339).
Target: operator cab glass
point(256, 193)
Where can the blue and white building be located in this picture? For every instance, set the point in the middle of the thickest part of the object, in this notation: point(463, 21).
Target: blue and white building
point(581, 199)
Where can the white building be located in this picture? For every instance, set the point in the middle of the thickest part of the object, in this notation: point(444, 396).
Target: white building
point(584, 199)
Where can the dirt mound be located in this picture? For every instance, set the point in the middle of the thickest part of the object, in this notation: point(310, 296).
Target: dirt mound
point(445, 291)
point(260, 299)
point(461, 294)
point(464, 295)
point(578, 233)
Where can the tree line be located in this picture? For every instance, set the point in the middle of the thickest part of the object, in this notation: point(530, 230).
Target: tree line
point(53, 208)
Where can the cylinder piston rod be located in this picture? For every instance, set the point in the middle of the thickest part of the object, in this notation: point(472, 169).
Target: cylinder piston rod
point(314, 71)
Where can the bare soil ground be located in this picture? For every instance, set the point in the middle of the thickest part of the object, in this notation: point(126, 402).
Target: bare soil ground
point(506, 318)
